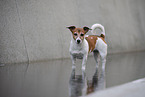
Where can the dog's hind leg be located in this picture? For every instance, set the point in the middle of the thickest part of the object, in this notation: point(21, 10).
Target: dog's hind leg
point(97, 58)
point(103, 59)
point(103, 64)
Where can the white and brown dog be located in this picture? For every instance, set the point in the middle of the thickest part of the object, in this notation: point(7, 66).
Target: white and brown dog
point(82, 44)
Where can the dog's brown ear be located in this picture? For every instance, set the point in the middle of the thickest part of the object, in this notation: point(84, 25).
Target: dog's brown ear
point(86, 29)
point(71, 28)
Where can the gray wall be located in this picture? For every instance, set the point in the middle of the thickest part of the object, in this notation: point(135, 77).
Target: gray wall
point(36, 29)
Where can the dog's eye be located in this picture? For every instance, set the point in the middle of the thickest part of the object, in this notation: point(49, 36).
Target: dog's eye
point(75, 34)
point(82, 34)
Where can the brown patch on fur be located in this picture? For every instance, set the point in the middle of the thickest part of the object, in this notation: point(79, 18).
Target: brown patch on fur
point(79, 30)
point(103, 38)
point(102, 35)
point(92, 42)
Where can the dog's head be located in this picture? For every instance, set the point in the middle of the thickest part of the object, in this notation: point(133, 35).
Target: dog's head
point(78, 33)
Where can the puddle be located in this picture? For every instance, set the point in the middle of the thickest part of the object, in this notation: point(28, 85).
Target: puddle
point(57, 79)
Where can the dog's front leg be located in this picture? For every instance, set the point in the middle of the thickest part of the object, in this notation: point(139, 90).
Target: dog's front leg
point(84, 62)
point(73, 61)
point(103, 64)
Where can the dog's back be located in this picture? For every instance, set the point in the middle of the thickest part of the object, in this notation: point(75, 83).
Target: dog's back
point(93, 40)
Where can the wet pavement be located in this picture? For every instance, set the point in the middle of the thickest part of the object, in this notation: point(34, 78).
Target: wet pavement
point(55, 78)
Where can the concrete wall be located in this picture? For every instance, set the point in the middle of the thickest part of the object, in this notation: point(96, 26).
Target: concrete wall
point(33, 30)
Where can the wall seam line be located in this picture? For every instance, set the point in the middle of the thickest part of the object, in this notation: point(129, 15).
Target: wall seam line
point(22, 34)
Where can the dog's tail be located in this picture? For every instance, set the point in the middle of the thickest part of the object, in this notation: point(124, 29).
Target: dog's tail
point(95, 26)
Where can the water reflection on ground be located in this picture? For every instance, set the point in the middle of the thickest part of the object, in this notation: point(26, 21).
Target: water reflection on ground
point(55, 78)
point(80, 86)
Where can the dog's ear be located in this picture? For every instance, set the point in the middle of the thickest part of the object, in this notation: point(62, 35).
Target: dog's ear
point(71, 28)
point(86, 29)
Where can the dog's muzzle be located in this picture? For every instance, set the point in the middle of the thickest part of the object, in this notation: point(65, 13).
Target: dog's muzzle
point(78, 41)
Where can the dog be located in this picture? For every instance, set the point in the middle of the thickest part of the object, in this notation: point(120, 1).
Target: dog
point(82, 44)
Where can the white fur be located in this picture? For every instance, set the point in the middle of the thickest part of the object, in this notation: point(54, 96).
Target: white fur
point(101, 46)
point(95, 26)
point(80, 51)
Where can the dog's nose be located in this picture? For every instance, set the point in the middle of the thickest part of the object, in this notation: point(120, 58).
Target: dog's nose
point(78, 41)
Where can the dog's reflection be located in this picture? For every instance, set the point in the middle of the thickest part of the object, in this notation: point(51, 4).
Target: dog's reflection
point(97, 83)
point(80, 86)
point(77, 84)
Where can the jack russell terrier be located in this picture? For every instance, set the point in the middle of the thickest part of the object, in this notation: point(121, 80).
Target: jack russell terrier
point(81, 44)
